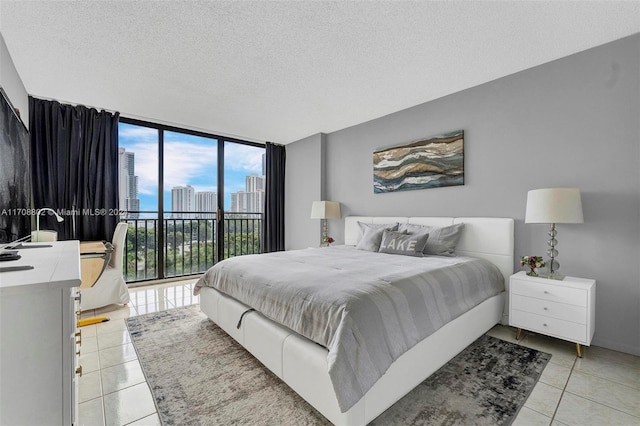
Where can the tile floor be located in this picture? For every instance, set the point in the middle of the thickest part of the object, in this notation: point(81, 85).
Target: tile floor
point(602, 388)
point(112, 389)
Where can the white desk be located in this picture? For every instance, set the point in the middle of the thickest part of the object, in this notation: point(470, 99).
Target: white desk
point(38, 382)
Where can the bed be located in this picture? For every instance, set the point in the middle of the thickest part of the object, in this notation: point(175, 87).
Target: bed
point(304, 364)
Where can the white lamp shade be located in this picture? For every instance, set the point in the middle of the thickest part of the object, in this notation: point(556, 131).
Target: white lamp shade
point(554, 205)
point(325, 210)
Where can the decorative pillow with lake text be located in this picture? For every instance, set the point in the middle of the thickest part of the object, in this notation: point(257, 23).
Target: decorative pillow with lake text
point(403, 243)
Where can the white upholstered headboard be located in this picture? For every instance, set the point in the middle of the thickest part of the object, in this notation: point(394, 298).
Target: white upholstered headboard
point(489, 238)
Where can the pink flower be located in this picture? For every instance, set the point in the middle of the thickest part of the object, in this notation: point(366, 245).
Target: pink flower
point(532, 261)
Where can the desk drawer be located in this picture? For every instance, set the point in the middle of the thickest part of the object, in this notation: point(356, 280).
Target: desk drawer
point(551, 292)
point(550, 326)
point(563, 311)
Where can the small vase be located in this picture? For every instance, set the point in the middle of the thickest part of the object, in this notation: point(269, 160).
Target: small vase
point(532, 273)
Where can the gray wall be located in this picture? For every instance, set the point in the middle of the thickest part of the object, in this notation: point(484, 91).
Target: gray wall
point(304, 184)
point(571, 122)
point(12, 84)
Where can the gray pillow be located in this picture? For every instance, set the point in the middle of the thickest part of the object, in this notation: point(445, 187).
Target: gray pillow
point(364, 226)
point(403, 243)
point(372, 235)
point(442, 240)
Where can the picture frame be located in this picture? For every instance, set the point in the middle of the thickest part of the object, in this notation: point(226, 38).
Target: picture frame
point(434, 162)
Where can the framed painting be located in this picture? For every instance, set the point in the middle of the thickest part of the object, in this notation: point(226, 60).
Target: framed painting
point(429, 163)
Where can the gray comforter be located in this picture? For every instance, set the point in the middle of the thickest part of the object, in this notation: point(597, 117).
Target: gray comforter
point(366, 308)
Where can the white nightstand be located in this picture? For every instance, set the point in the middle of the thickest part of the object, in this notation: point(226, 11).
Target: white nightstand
point(563, 309)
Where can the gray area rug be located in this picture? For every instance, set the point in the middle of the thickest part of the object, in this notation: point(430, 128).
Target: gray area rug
point(201, 376)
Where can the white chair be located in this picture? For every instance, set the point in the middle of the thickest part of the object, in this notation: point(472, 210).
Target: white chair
point(110, 287)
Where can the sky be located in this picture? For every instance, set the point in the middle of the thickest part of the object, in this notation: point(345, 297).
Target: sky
point(188, 160)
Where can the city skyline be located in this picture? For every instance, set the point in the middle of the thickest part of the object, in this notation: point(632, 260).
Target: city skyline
point(184, 198)
point(189, 160)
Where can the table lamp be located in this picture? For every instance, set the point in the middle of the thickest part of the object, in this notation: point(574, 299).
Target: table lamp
point(552, 206)
point(324, 210)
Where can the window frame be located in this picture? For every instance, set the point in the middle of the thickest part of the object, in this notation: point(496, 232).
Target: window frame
point(220, 140)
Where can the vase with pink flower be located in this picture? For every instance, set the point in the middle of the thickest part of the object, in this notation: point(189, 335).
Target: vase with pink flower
point(532, 262)
point(326, 241)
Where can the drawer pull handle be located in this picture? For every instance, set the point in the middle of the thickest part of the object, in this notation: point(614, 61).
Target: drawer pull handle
point(545, 324)
point(546, 292)
point(546, 309)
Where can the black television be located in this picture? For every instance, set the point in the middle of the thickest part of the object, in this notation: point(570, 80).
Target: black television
point(15, 174)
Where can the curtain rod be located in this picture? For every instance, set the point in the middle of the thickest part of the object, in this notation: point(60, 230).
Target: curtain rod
point(155, 121)
point(62, 101)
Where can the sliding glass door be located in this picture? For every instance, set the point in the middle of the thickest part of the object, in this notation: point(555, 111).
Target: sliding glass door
point(138, 148)
point(244, 181)
point(190, 175)
point(192, 199)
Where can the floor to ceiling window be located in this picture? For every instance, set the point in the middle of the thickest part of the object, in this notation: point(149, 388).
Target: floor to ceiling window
point(138, 148)
point(191, 199)
point(244, 183)
point(190, 190)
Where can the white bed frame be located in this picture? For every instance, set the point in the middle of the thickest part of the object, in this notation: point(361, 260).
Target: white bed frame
point(302, 364)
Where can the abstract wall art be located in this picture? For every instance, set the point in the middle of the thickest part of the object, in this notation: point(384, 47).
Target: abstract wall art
point(429, 163)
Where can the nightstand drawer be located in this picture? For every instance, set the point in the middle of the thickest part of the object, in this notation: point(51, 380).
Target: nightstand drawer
point(563, 311)
point(550, 326)
point(551, 292)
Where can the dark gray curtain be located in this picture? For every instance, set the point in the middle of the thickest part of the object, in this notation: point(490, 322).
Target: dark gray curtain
point(74, 166)
point(273, 228)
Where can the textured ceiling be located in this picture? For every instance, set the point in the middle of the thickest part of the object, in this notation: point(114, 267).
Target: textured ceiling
point(281, 71)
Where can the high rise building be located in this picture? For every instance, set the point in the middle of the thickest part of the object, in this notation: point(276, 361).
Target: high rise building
point(250, 200)
point(183, 200)
point(254, 183)
point(206, 204)
point(256, 202)
point(235, 201)
point(128, 183)
point(247, 202)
